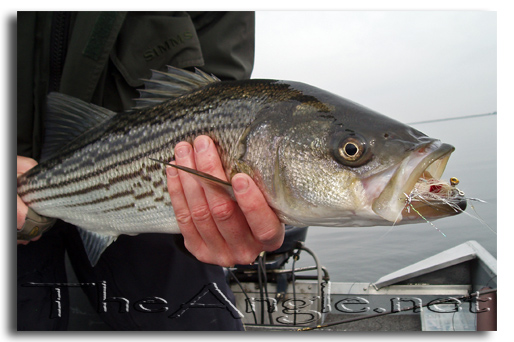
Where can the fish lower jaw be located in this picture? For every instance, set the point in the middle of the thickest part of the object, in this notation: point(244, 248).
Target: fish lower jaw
point(364, 217)
point(428, 160)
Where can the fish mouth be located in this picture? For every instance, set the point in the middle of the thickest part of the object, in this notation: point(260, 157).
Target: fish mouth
point(415, 184)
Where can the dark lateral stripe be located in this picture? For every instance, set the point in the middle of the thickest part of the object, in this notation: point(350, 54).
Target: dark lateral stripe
point(144, 195)
point(22, 181)
point(133, 158)
point(103, 199)
point(153, 167)
point(70, 194)
point(131, 205)
point(95, 173)
point(152, 207)
point(87, 190)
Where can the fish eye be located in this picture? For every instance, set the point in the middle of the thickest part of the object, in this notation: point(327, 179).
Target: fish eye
point(351, 150)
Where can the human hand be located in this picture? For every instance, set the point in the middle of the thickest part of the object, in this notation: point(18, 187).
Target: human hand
point(216, 229)
point(23, 164)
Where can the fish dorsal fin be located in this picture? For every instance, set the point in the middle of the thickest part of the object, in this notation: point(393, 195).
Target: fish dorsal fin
point(163, 86)
point(67, 118)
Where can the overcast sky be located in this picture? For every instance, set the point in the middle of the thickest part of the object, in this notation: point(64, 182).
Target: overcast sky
point(410, 65)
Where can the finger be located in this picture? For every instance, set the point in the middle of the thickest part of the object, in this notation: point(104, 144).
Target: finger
point(227, 215)
point(197, 203)
point(207, 158)
point(182, 213)
point(264, 223)
point(23, 164)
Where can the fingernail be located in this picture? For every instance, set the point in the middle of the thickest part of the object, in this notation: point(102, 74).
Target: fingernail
point(171, 171)
point(182, 151)
point(201, 144)
point(240, 184)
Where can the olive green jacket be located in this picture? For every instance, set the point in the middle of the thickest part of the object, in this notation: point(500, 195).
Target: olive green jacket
point(102, 57)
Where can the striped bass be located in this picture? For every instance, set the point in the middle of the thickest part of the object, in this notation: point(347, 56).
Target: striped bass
point(318, 158)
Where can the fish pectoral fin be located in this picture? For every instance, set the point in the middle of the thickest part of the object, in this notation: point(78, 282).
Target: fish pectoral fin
point(95, 244)
point(204, 178)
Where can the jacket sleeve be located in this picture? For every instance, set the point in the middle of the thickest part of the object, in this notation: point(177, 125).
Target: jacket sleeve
point(220, 43)
point(227, 40)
